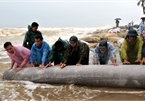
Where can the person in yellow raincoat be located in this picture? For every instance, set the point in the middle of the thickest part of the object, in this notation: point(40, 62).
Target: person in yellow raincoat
point(131, 49)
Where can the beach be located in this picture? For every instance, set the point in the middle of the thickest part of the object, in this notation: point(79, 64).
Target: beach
point(29, 91)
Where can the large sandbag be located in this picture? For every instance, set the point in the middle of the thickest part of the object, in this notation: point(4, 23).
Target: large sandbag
point(113, 39)
point(93, 45)
point(91, 39)
point(99, 35)
point(91, 75)
point(107, 35)
point(122, 34)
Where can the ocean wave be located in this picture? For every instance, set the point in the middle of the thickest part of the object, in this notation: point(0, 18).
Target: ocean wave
point(49, 31)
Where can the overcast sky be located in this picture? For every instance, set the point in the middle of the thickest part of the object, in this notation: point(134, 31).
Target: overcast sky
point(68, 13)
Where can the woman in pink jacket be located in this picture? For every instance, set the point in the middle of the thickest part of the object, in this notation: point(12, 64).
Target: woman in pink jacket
point(19, 56)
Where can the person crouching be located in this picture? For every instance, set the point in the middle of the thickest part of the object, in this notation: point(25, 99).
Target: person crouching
point(103, 52)
point(19, 56)
point(131, 49)
point(77, 53)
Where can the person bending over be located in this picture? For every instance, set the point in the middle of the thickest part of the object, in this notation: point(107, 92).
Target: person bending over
point(58, 51)
point(131, 48)
point(77, 53)
point(39, 53)
point(19, 56)
point(103, 52)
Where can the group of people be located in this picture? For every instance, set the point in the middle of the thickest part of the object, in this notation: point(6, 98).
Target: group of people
point(36, 52)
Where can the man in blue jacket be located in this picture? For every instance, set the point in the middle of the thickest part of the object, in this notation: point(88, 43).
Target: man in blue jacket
point(104, 52)
point(39, 53)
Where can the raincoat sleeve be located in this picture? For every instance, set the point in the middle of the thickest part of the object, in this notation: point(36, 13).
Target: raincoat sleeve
point(26, 39)
point(141, 27)
point(83, 52)
point(140, 43)
point(113, 52)
point(12, 60)
point(123, 49)
point(143, 50)
point(46, 52)
point(66, 45)
point(95, 55)
point(33, 54)
point(51, 56)
point(67, 55)
point(25, 56)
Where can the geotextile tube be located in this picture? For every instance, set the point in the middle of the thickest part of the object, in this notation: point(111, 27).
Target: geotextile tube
point(130, 76)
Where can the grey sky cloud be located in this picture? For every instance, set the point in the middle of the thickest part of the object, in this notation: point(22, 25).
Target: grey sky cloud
point(62, 13)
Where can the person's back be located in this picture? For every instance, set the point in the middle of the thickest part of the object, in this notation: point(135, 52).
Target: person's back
point(30, 35)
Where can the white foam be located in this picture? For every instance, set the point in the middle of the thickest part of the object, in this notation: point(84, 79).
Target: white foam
point(5, 62)
point(127, 92)
point(33, 86)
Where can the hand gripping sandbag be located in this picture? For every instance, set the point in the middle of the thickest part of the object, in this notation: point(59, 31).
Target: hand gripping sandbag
point(132, 76)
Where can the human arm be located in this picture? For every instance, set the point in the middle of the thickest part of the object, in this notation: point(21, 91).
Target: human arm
point(26, 40)
point(46, 52)
point(83, 53)
point(123, 51)
point(66, 57)
point(141, 27)
point(33, 54)
point(143, 54)
point(140, 47)
point(95, 55)
point(25, 54)
point(67, 54)
point(51, 56)
point(112, 50)
point(12, 63)
point(12, 60)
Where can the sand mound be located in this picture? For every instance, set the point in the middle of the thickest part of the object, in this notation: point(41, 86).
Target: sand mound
point(99, 35)
point(107, 35)
point(91, 39)
point(113, 39)
point(122, 34)
point(110, 37)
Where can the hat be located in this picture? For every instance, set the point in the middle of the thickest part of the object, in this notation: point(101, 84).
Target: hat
point(103, 44)
point(143, 17)
point(132, 33)
point(73, 39)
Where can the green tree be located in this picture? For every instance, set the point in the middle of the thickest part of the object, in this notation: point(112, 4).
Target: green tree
point(142, 3)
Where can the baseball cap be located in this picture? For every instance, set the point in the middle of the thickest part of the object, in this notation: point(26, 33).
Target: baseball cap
point(73, 39)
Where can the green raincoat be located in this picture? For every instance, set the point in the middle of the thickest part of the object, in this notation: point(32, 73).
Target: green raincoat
point(58, 56)
point(29, 37)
